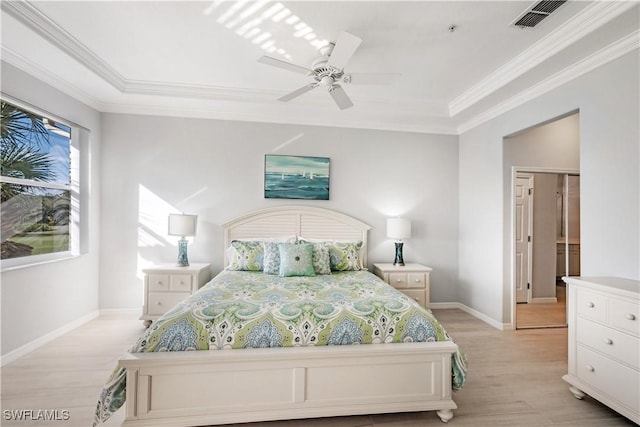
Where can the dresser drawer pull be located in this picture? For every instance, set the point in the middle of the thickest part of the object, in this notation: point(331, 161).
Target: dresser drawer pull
point(630, 316)
point(158, 303)
point(398, 280)
point(590, 304)
point(608, 341)
point(590, 368)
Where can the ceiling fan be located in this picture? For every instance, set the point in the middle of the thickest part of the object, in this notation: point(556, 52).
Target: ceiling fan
point(328, 70)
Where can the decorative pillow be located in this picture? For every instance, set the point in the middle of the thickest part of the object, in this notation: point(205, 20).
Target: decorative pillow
point(296, 260)
point(321, 262)
point(245, 255)
point(271, 257)
point(345, 256)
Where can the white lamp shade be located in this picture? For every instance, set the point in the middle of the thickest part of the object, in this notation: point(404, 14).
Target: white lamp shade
point(398, 228)
point(182, 225)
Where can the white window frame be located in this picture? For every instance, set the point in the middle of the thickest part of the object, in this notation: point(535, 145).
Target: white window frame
point(78, 158)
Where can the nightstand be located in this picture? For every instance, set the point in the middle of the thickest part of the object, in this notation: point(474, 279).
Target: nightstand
point(411, 279)
point(166, 285)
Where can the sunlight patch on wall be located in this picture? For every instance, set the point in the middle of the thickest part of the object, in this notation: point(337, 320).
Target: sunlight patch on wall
point(248, 18)
point(153, 213)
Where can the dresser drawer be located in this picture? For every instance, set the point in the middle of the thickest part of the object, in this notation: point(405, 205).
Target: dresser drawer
point(180, 282)
point(161, 302)
point(612, 343)
point(592, 305)
point(158, 282)
point(609, 376)
point(624, 315)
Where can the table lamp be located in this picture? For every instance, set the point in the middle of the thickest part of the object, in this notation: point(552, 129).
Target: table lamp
point(398, 228)
point(182, 225)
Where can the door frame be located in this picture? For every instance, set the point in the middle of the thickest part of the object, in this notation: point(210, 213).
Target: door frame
point(515, 170)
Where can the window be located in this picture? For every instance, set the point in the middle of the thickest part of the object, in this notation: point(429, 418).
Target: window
point(38, 173)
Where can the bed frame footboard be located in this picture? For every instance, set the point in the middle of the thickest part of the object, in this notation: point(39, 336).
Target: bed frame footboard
point(219, 387)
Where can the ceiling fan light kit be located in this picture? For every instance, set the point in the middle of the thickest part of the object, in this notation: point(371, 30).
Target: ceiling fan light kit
point(328, 70)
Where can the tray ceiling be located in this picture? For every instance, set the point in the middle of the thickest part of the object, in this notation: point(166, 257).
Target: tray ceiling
point(461, 62)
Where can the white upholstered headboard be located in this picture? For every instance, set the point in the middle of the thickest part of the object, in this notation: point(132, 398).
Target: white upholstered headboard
point(302, 221)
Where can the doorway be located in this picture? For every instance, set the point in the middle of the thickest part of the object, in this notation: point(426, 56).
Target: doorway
point(547, 244)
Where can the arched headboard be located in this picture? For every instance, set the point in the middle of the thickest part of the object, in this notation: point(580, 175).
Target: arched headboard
point(301, 221)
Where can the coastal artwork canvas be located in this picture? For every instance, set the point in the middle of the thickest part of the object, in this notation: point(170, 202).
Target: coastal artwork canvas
point(296, 177)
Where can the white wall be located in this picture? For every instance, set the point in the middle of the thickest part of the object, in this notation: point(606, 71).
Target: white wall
point(215, 169)
point(607, 99)
point(41, 299)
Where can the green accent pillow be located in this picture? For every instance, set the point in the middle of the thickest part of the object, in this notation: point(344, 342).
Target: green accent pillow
point(245, 255)
point(345, 256)
point(296, 259)
point(321, 261)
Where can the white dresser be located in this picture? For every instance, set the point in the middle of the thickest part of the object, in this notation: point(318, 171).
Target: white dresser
point(604, 341)
point(166, 285)
point(411, 279)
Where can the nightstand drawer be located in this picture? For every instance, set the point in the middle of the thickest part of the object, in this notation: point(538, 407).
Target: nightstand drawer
point(158, 282)
point(419, 296)
point(415, 280)
point(160, 302)
point(180, 282)
point(398, 280)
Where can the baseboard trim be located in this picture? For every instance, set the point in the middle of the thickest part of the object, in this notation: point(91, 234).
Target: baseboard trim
point(25, 349)
point(475, 313)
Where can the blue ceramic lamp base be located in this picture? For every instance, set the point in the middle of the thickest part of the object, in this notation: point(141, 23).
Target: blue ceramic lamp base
point(183, 261)
point(399, 260)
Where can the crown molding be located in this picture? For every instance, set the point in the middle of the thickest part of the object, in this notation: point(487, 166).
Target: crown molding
point(585, 22)
point(41, 24)
point(605, 55)
point(37, 71)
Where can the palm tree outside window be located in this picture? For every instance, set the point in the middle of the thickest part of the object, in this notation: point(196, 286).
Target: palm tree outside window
point(35, 184)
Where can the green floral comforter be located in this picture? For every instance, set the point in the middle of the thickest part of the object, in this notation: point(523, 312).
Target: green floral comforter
point(240, 309)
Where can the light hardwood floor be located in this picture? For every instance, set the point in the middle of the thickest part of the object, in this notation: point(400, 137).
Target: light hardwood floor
point(545, 315)
point(514, 379)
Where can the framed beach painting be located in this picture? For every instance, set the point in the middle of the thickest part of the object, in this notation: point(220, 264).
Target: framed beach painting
point(296, 177)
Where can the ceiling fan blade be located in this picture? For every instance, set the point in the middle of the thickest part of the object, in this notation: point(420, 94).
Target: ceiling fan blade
point(340, 97)
point(344, 49)
point(296, 93)
point(371, 78)
point(284, 65)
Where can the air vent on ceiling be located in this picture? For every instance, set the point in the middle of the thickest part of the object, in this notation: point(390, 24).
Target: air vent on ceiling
point(536, 13)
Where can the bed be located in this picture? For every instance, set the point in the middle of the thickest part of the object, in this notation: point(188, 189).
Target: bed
point(287, 336)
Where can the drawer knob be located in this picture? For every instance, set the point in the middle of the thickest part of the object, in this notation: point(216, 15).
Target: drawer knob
point(630, 316)
point(608, 341)
point(398, 281)
point(590, 304)
point(159, 282)
point(590, 368)
point(158, 303)
point(417, 280)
